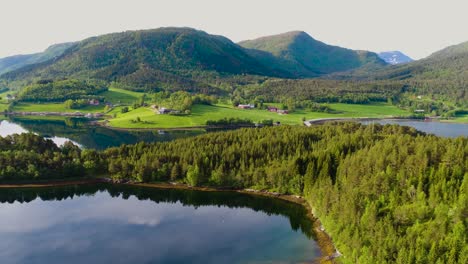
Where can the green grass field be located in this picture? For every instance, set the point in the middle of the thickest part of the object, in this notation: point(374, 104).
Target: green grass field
point(55, 107)
point(114, 95)
point(3, 107)
point(202, 113)
point(458, 119)
point(3, 101)
point(121, 96)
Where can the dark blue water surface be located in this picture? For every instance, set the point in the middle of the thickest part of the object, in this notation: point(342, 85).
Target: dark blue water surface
point(123, 224)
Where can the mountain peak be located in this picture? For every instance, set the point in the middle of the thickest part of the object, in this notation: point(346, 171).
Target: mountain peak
point(15, 62)
point(305, 56)
point(394, 57)
point(453, 50)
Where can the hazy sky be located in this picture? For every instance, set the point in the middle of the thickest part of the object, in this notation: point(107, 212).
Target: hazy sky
point(416, 27)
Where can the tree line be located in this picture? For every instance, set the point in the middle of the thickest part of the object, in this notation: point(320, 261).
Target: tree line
point(62, 90)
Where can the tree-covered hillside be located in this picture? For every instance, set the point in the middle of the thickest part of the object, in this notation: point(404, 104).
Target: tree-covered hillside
point(12, 63)
point(270, 68)
point(61, 90)
point(304, 56)
point(148, 58)
point(192, 60)
point(443, 75)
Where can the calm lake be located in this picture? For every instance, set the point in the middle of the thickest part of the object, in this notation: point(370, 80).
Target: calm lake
point(126, 224)
point(85, 135)
point(431, 127)
point(88, 136)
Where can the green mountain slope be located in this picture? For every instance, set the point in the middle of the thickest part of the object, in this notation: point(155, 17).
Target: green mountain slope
point(185, 58)
point(444, 74)
point(12, 63)
point(156, 58)
point(454, 50)
point(303, 56)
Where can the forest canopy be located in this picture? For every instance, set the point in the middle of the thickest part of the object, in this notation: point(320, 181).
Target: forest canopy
point(61, 90)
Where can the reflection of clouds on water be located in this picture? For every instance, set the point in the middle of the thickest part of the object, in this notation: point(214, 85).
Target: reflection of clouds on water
point(8, 128)
point(137, 220)
point(60, 141)
point(50, 213)
point(101, 229)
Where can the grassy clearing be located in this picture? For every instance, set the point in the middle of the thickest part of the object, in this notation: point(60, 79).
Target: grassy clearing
point(121, 96)
point(202, 113)
point(3, 96)
point(458, 119)
point(369, 110)
point(55, 107)
point(3, 107)
point(114, 95)
point(3, 101)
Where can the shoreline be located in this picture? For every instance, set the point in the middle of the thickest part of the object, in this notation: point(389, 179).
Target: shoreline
point(188, 128)
point(53, 183)
point(323, 240)
point(318, 121)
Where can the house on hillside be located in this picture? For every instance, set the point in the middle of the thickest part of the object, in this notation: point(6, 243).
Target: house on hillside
point(163, 111)
point(10, 97)
point(272, 109)
point(246, 106)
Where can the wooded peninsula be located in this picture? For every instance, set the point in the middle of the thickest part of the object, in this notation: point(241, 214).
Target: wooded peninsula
point(385, 194)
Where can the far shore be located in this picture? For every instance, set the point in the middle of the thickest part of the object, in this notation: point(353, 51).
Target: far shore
point(98, 119)
point(52, 183)
point(324, 241)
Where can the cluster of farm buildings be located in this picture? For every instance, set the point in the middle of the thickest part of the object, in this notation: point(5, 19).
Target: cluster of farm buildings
point(270, 109)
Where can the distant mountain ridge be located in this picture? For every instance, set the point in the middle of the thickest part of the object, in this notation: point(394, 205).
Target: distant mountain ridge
point(148, 59)
point(394, 57)
point(186, 59)
point(15, 62)
point(159, 58)
point(302, 55)
point(443, 72)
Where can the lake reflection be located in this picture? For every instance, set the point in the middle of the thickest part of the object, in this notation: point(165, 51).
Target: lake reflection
point(80, 132)
point(442, 129)
point(8, 128)
point(122, 224)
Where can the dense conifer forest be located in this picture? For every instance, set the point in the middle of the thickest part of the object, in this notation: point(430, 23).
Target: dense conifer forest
point(386, 194)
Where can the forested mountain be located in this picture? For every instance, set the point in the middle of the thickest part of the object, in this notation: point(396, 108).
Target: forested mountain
point(155, 58)
point(168, 58)
point(302, 55)
point(451, 51)
point(12, 63)
point(442, 75)
point(385, 194)
point(273, 67)
point(394, 57)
